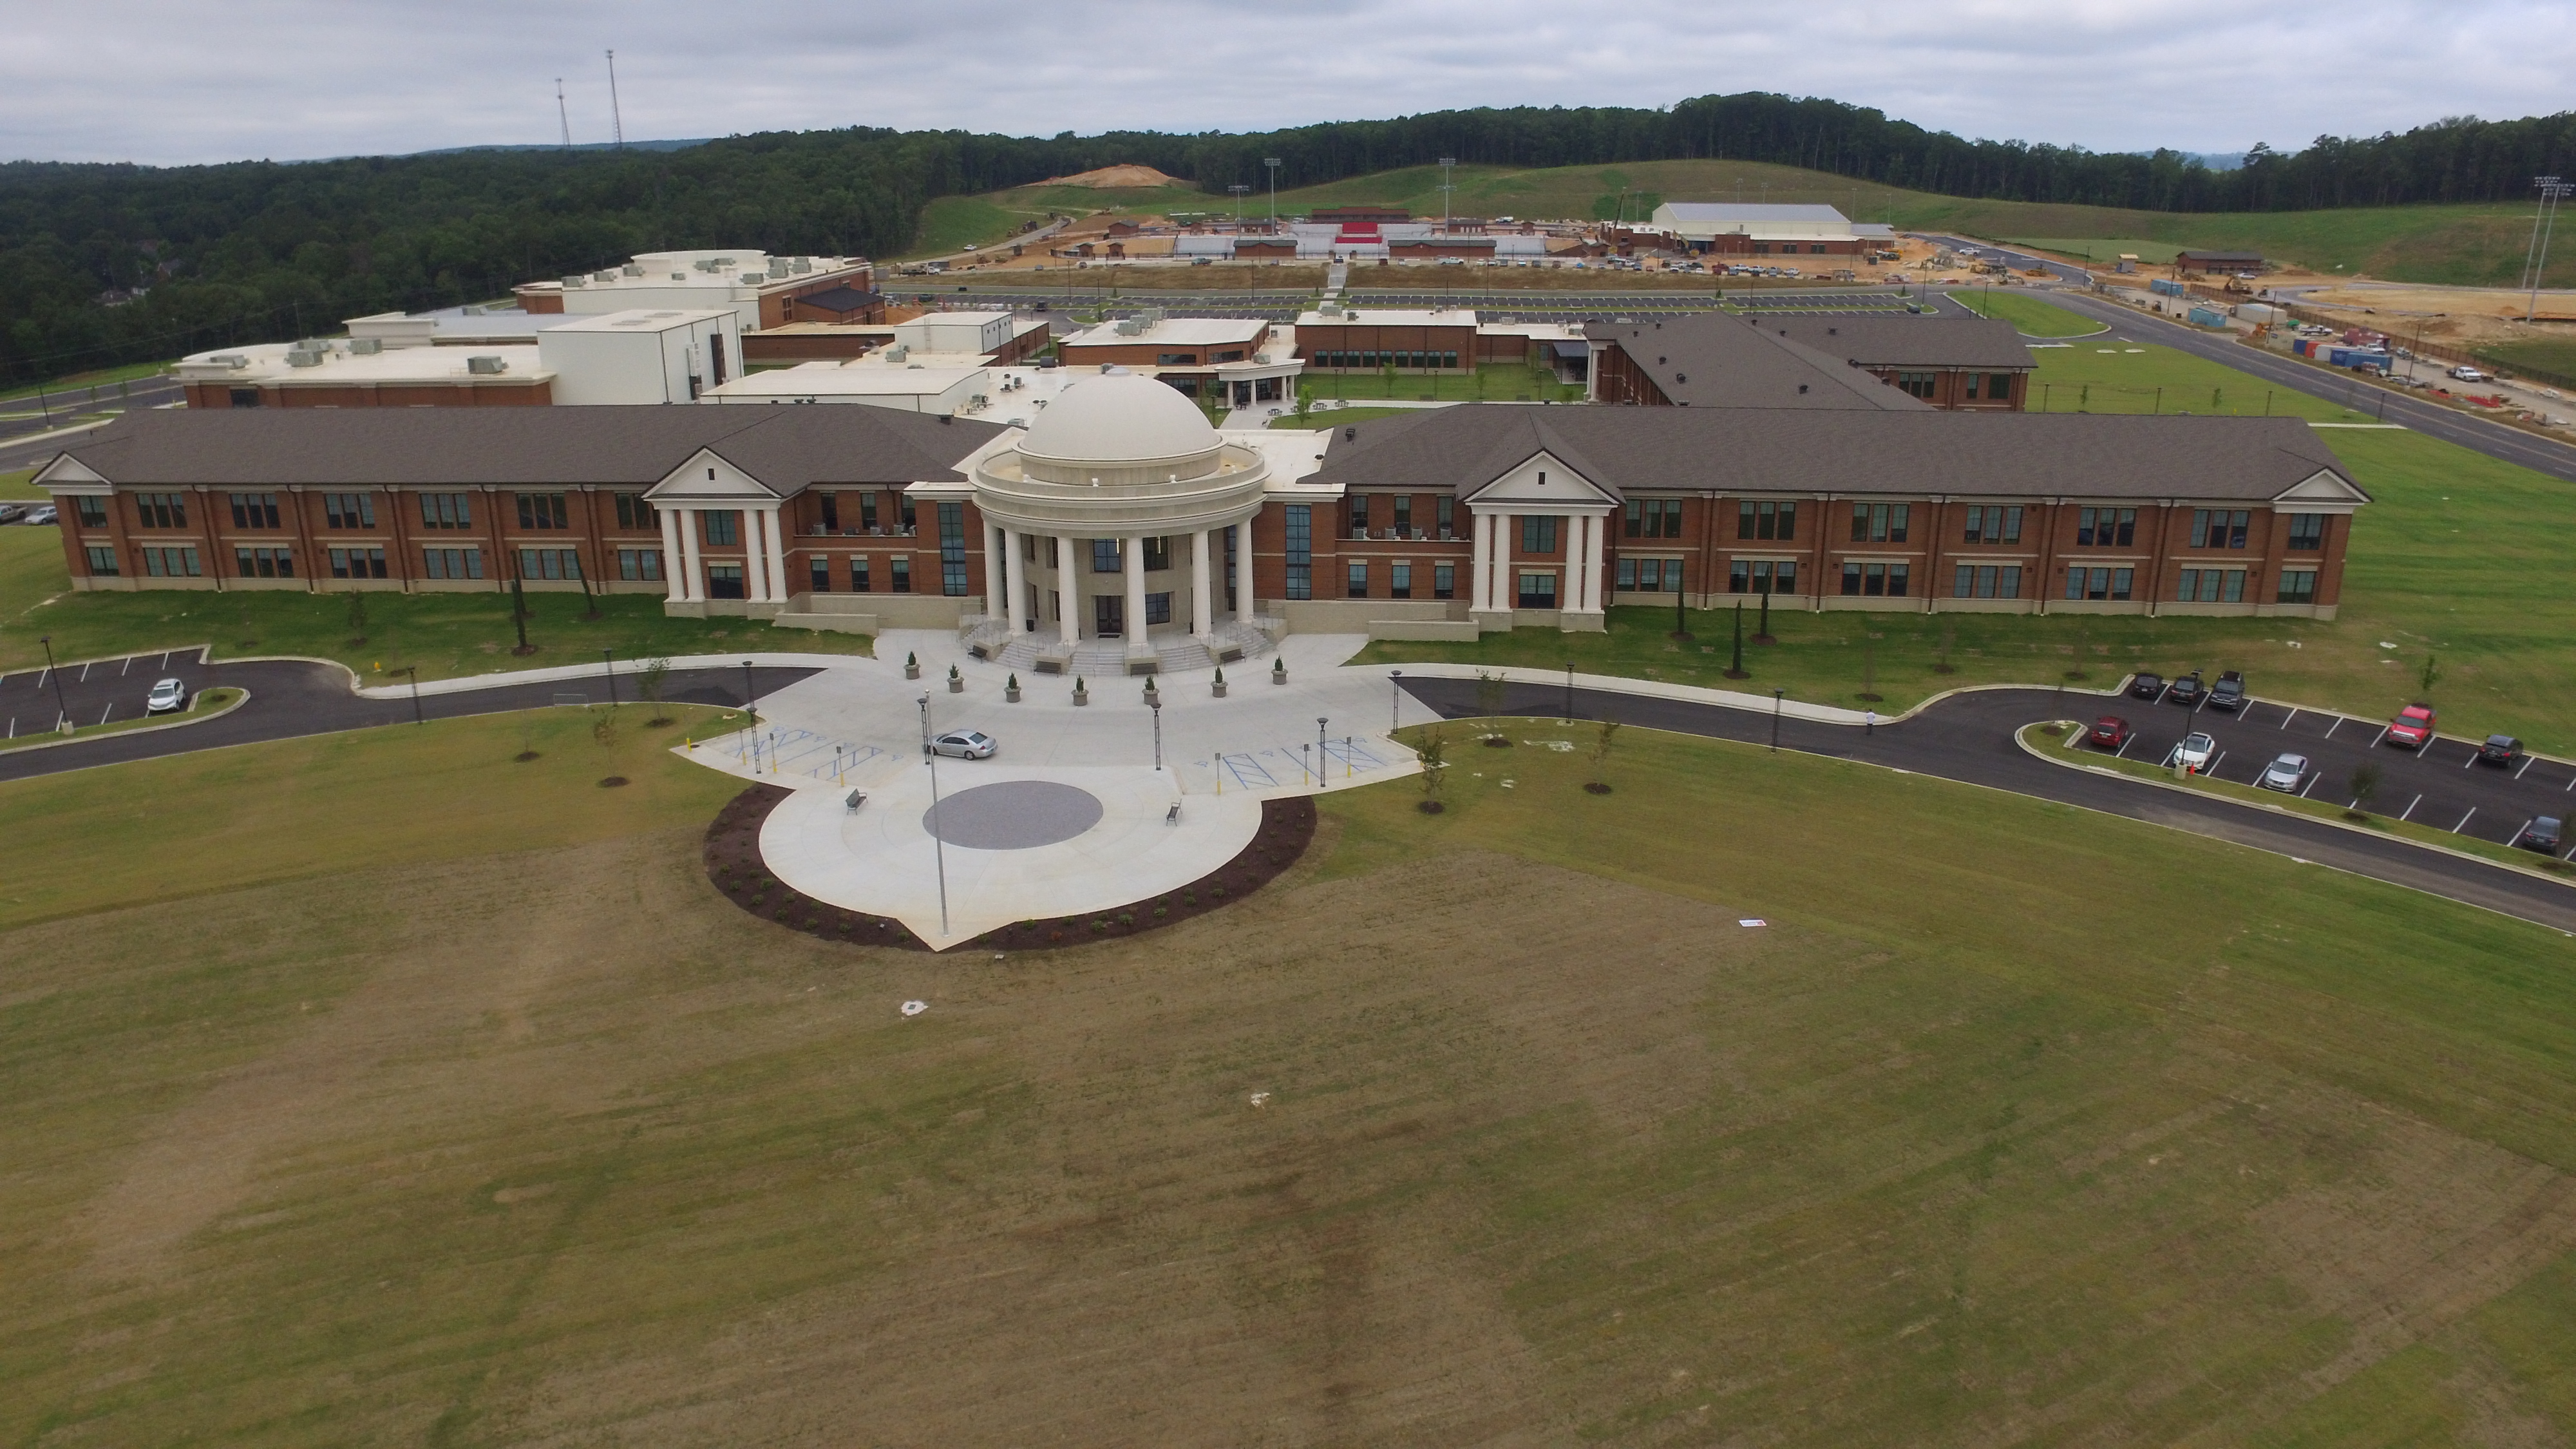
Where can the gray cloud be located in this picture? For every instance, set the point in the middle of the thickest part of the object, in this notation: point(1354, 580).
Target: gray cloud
point(169, 83)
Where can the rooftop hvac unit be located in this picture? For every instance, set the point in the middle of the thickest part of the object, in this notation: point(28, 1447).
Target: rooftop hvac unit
point(487, 364)
point(1129, 327)
point(704, 264)
point(754, 279)
point(720, 264)
point(603, 276)
point(298, 358)
point(898, 352)
point(229, 359)
point(800, 265)
point(576, 281)
point(778, 266)
point(366, 346)
point(630, 270)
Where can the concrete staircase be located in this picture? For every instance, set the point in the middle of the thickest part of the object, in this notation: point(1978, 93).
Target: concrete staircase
point(1107, 658)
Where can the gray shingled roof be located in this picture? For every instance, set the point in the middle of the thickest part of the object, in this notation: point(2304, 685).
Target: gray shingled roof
point(1909, 341)
point(786, 447)
point(1721, 362)
point(1811, 451)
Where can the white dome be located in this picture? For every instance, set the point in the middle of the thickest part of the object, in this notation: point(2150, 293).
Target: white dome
point(1119, 417)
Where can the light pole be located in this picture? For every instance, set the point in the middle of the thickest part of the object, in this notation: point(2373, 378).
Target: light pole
point(56, 675)
point(1776, 694)
point(1238, 189)
point(1272, 164)
point(414, 671)
point(1158, 732)
point(750, 706)
point(938, 844)
point(1394, 699)
point(1448, 186)
point(608, 663)
point(1321, 750)
point(2542, 224)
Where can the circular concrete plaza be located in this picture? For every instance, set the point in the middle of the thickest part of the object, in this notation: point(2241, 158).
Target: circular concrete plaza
point(1013, 815)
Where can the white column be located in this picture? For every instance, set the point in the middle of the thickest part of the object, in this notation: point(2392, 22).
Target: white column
point(996, 595)
point(755, 560)
point(690, 531)
point(1591, 526)
point(1480, 589)
point(1068, 592)
point(1132, 553)
point(1014, 579)
point(1244, 612)
point(773, 529)
point(1202, 594)
point(1578, 580)
point(673, 578)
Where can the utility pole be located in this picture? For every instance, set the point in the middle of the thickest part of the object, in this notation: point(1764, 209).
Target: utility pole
point(563, 115)
point(1448, 185)
point(1239, 190)
point(616, 117)
point(2543, 222)
point(1271, 163)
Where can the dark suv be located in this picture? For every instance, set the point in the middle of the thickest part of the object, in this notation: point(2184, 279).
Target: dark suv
point(2500, 750)
point(2229, 694)
point(2187, 691)
point(2147, 686)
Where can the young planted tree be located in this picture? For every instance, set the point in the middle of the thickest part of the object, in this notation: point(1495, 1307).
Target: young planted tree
point(1490, 692)
point(1735, 666)
point(519, 616)
point(1604, 735)
point(2428, 676)
point(2364, 787)
point(1762, 629)
point(1869, 667)
point(357, 617)
point(1433, 751)
point(1949, 637)
point(649, 680)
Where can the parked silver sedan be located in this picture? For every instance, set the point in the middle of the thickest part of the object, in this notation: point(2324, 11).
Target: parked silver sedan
point(965, 745)
point(2285, 774)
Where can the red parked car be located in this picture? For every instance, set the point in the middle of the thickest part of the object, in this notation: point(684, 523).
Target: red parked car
point(2110, 732)
point(2413, 727)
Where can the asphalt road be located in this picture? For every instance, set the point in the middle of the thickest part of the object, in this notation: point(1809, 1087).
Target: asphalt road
point(288, 698)
point(24, 417)
point(1969, 738)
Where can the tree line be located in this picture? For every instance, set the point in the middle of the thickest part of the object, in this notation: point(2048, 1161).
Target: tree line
point(257, 251)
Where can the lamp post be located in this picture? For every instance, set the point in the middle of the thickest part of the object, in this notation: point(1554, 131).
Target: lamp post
point(938, 845)
point(1394, 699)
point(751, 709)
point(608, 665)
point(1321, 750)
point(1272, 162)
point(414, 671)
point(1776, 694)
point(56, 675)
point(1158, 732)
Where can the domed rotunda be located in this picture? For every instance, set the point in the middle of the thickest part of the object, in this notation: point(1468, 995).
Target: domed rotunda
point(1124, 515)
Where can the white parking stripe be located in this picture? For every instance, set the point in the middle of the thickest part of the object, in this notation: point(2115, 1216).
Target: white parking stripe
point(2471, 760)
point(2517, 836)
point(2410, 806)
point(2374, 744)
point(128, 669)
point(2464, 820)
point(2312, 784)
point(2526, 764)
point(2330, 729)
point(2214, 764)
point(2285, 720)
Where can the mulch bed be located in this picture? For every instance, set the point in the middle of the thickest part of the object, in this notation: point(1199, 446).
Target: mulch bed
point(733, 864)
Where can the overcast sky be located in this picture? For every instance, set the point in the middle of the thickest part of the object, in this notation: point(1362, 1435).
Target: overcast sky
point(175, 83)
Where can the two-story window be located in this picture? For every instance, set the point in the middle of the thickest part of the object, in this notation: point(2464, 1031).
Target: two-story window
point(255, 510)
point(1880, 522)
point(1298, 539)
point(1356, 586)
point(447, 510)
point(1654, 518)
point(723, 527)
point(1761, 576)
point(159, 510)
point(634, 512)
point(952, 550)
point(1873, 581)
point(2219, 528)
point(349, 510)
point(2307, 532)
point(1987, 581)
point(2106, 528)
point(1538, 535)
point(543, 510)
point(1404, 515)
point(1766, 520)
point(90, 509)
point(1104, 556)
point(1158, 553)
point(1447, 509)
point(1993, 523)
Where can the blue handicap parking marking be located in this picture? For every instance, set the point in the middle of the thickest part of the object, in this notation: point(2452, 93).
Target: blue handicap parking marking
point(1247, 771)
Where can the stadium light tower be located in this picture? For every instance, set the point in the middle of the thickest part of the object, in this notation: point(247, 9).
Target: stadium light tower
point(1271, 163)
point(562, 114)
point(1239, 190)
point(1448, 165)
point(616, 115)
point(2544, 220)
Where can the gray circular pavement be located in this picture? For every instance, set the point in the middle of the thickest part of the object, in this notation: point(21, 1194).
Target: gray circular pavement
point(1013, 815)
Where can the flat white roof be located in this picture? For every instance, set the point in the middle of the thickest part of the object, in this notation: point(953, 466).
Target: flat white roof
point(266, 363)
point(1391, 317)
point(641, 319)
point(659, 270)
point(1177, 331)
point(833, 379)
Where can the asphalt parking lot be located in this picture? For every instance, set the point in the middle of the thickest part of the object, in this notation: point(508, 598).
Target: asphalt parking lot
point(95, 692)
point(2442, 785)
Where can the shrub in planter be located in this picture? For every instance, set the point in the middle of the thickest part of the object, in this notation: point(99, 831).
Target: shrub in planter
point(1081, 694)
point(1011, 691)
point(956, 681)
point(912, 666)
point(1218, 688)
point(1278, 671)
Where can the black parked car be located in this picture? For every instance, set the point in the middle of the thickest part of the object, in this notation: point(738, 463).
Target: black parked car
point(2147, 686)
point(2188, 690)
point(2500, 750)
point(2229, 694)
point(2543, 835)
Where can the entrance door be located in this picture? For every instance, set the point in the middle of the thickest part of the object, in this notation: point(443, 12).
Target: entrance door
point(1109, 616)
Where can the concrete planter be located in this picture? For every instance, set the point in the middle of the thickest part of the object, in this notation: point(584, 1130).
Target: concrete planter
point(956, 685)
point(912, 671)
point(1217, 690)
point(1279, 674)
point(1011, 695)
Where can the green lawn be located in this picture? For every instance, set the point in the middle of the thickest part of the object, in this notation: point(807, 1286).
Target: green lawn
point(443, 634)
point(2457, 555)
point(79, 381)
point(2549, 354)
point(952, 223)
point(330, 1124)
point(21, 485)
point(1335, 417)
point(2110, 374)
point(2028, 315)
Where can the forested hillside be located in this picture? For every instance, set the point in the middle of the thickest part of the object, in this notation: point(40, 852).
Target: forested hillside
point(259, 250)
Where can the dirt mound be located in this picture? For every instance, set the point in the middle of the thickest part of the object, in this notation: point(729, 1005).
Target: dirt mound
point(1121, 178)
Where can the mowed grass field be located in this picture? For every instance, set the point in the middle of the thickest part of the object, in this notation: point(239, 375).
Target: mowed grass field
point(445, 1103)
point(444, 634)
point(2443, 561)
point(2028, 315)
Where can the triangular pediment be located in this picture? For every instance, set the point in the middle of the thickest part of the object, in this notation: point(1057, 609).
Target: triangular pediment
point(1542, 477)
point(2323, 486)
point(710, 478)
point(67, 474)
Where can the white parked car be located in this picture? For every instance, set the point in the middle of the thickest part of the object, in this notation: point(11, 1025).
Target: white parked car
point(964, 745)
point(166, 696)
point(2195, 752)
point(2466, 373)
